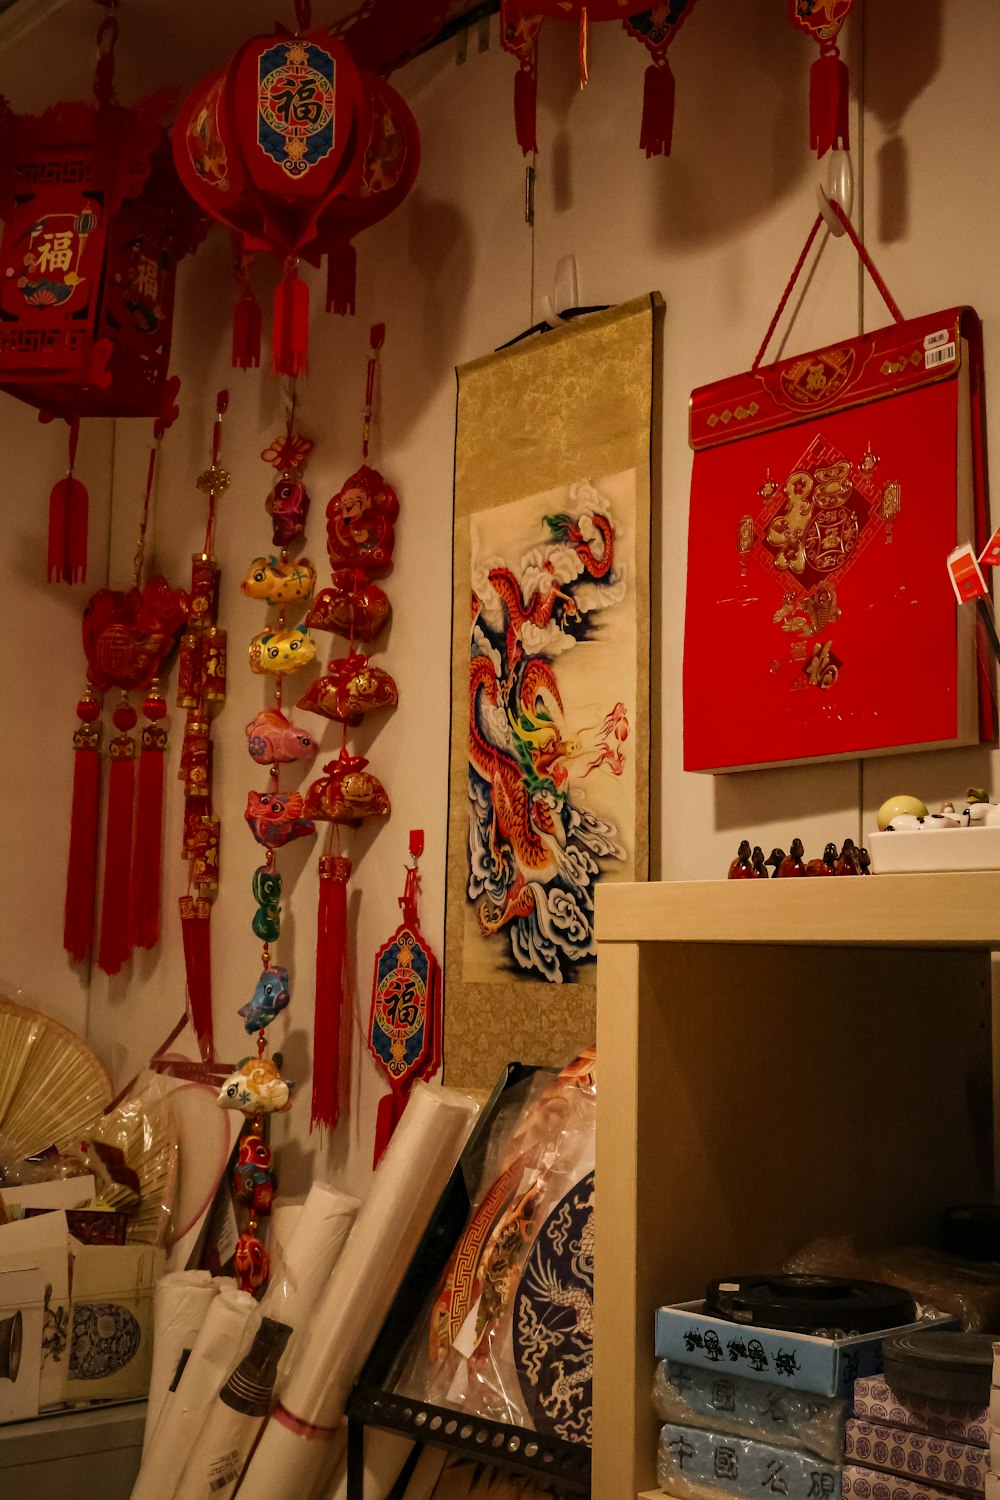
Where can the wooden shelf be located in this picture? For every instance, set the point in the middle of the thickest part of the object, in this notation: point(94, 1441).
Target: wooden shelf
point(777, 1063)
point(939, 910)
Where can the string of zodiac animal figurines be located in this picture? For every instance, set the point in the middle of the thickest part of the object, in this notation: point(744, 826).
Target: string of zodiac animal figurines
point(127, 638)
point(360, 542)
point(201, 691)
point(274, 817)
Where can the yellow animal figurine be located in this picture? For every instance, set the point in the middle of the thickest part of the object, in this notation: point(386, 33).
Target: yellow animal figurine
point(279, 582)
point(281, 651)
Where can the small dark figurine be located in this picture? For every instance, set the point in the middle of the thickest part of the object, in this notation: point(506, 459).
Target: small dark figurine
point(848, 864)
point(825, 866)
point(864, 862)
point(775, 859)
point(758, 864)
point(792, 863)
point(741, 868)
point(288, 507)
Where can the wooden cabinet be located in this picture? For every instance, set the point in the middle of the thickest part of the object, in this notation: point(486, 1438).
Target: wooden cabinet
point(777, 1061)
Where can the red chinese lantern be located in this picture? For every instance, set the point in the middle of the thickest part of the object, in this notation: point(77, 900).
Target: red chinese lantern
point(288, 145)
point(94, 223)
point(655, 27)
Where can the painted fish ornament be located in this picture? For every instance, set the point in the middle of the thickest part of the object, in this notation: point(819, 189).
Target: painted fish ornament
point(288, 507)
point(251, 1263)
point(269, 999)
point(279, 582)
point(252, 1173)
point(275, 818)
point(351, 689)
point(273, 739)
point(281, 651)
point(256, 1088)
point(347, 793)
point(266, 887)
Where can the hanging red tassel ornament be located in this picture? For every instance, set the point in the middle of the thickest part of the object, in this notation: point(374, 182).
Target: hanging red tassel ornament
point(116, 945)
point(656, 30)
point(81, 875)
point(333, 1004)
point(147, 854)
point(404, 1027)
point(246, 314)
point(341, 278)
point(829, 80)
point(68, 513)
point(519, 37)
point(196, 936)
point(290, 341)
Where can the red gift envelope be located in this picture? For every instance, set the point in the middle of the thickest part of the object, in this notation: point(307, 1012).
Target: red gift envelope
point(827, 493)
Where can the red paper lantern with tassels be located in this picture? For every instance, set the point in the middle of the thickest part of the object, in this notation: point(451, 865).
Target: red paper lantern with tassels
point(275, 145)
point(829, 81)
point(94, 223)
point(655, 27)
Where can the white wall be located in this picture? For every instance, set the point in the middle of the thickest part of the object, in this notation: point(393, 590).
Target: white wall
point(716, 228)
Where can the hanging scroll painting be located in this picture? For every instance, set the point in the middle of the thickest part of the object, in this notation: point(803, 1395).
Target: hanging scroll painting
point(550, 680)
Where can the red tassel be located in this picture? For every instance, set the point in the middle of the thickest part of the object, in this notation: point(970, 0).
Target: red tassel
point(68, 511)
point(115, 944)
point(81, 872)
point(341, 278)
point(147, 853)
point(290, 341)
point(196, 931)
point(526, 109)
point(390, 1112)
point(829, 98)
point(332, 992)
point(246, 333)
point(657, 134)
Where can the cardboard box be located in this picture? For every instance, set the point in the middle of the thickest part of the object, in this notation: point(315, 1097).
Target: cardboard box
point(935, 1461)
point(859, 1483)
point(799, 1361)
point(692, 1460)
point(725, 1402)
point(875, 1401)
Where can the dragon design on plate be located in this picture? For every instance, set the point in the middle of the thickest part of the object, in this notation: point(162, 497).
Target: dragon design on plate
point(536, 850)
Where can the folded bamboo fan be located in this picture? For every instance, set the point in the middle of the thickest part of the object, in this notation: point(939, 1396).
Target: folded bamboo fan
point(148, 1142)
point(52, 1087)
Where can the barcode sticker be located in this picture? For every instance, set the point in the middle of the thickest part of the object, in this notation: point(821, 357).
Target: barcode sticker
point(934, 340)
point(943, 356)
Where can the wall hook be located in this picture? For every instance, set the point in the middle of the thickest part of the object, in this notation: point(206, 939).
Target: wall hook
point(565, 292)
point(839, 186)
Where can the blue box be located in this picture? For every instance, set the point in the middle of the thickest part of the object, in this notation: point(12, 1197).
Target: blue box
point(724, 1402)
point(692, 1461)
point(800, 1361)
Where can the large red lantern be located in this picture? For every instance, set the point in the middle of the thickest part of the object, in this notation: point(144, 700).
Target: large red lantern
point(296, 150)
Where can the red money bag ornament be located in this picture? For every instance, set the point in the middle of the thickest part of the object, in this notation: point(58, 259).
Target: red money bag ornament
point(291, 147)
point(95, 221)
point(404, 1028)
point(829, 81)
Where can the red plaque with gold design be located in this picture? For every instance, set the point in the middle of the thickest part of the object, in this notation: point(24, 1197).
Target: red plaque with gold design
point(827, 492)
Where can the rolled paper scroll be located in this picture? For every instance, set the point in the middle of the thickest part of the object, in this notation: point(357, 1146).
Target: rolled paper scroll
point(307, 1261)
point(180, 1306)
point(297, 1447)
point(215, 1352)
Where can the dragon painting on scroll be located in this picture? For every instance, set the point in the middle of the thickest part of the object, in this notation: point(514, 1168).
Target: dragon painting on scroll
point(552, 694)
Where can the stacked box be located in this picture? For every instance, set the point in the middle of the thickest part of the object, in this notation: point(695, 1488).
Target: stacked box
point(876, 1401)
point(904, 1446)
point(696, 1463)
point(723, 1402)
point(917, 1455)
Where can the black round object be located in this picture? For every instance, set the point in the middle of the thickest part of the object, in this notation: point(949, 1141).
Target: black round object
point(951, 1366)
point(810, 1304)
point(972, 1231)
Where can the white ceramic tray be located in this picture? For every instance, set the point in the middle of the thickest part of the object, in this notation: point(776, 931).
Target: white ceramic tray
point(911, 850)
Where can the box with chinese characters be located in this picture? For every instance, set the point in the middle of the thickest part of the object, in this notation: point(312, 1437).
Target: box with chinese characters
point(860, 1483)
point(876, 1401)
point(937, 1461)
point(750, 1408)
point(796, 1361)
point(695, 1462)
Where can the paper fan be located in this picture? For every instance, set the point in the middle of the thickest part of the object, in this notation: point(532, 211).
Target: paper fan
point(141, 1130)
point(52, 1087)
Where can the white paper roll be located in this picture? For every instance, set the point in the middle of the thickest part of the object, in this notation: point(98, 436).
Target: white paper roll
point(180, 1306)
point(293, 1456)
point(285, 1214)
point(212, 1358)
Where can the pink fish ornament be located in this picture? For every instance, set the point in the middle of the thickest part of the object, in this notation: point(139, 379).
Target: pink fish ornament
point(274, 740)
